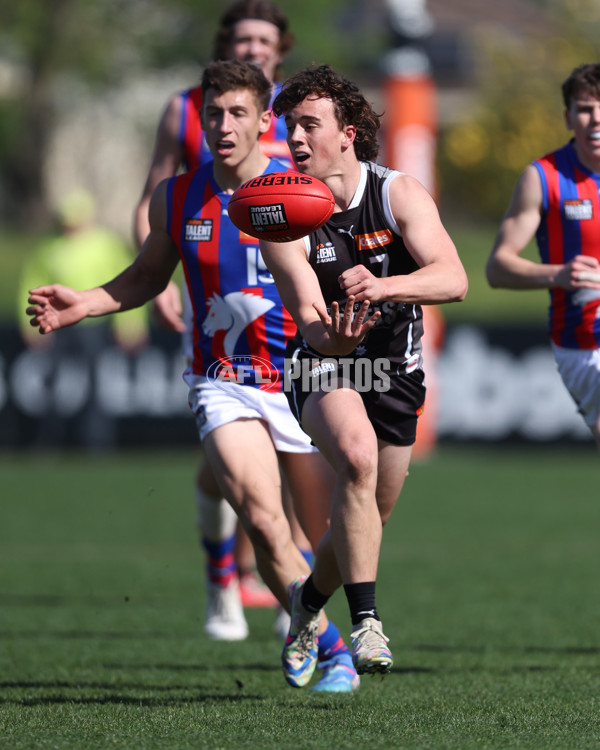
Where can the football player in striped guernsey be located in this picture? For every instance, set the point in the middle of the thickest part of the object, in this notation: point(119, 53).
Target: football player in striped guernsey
point(556, 200)
point(240, 333)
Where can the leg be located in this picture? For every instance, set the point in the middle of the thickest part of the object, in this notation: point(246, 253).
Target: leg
point(393, 464)
point(300, 539)
point(339, 426)
point(364, 497)
point(217, 522)
point(219, 528)
point(311, 481)
point(244, 461)
point(282, 621)
point(253, 591)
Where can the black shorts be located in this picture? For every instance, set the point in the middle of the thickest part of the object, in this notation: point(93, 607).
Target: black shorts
point(393, 400)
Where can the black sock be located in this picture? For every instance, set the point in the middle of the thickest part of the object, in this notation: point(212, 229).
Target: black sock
point(312, 599)
point(361, 600)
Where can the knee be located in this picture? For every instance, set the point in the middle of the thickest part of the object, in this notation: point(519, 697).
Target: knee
point(358, 463)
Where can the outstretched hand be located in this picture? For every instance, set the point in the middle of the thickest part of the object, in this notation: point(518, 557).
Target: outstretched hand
point(55, 306)
point(346, 331)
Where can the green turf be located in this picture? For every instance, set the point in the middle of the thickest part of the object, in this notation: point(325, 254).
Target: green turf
point(487, 588)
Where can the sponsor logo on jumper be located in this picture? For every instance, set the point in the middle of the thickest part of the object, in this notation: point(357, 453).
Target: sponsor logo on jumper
point(325, 252)
point(373, 239)
point(320, 368)
point(268, 218)
point(278, 178)
point(341, 230)
point(198, 230)
point(578, 210)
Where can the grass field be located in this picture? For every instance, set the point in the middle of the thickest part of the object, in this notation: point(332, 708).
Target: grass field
point(488, 589)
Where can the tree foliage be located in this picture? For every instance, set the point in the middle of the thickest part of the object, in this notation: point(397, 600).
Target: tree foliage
point(102, 42)
point(519, 115)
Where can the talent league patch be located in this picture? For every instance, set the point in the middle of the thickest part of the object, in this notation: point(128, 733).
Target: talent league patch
point(326, 252)
point(198, 230)
point(578, 210)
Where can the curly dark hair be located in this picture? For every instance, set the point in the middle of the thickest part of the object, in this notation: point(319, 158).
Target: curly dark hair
point(350, 106)
point(261, 10)
point(230, 75)
point(585, 79)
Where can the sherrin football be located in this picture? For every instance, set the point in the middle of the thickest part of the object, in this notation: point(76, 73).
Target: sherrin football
point(281, 206)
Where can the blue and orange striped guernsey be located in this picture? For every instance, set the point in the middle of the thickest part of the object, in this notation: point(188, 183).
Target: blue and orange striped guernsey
point(240, 324)
point(570, 226)
point(191, 136)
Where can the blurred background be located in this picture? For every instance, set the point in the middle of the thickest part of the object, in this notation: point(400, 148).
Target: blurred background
point(469, 93)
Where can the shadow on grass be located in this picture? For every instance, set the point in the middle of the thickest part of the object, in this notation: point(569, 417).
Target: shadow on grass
point(243, 667)
point(119, 694)
point(60, 600)
point(437, 648)
point(119, 699)
point(134, 635)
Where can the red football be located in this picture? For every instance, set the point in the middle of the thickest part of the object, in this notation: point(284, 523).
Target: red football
point(281, 206)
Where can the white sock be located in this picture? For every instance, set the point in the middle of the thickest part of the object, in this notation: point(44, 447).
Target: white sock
point(216, 518)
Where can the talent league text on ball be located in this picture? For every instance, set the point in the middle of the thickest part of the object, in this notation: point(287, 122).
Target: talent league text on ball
point(264, 218)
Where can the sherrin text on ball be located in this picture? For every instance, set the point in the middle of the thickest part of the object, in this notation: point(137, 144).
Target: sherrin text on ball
point(281, 206)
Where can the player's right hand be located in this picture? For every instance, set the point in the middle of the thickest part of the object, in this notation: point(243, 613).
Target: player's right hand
point(55, 306)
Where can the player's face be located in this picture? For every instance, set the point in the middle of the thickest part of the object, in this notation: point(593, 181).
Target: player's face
point(257, 42)
point(232, 123)
point(583, 118)
point(315, 138)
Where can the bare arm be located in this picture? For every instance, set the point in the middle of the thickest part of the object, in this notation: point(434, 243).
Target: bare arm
point(440, 277)
point(56, 306)
point(300, 292)
point(166, 161)
point(507, 269)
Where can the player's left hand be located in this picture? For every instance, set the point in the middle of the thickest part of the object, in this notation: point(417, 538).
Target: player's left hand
point(359, 282)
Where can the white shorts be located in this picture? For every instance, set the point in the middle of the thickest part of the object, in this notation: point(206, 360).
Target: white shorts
point(214, 406)
point(580, 372)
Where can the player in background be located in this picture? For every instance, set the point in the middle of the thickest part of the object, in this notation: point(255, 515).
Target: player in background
point(355, 288)
point(556, 200)
point(256, 31)
point(240, 333)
